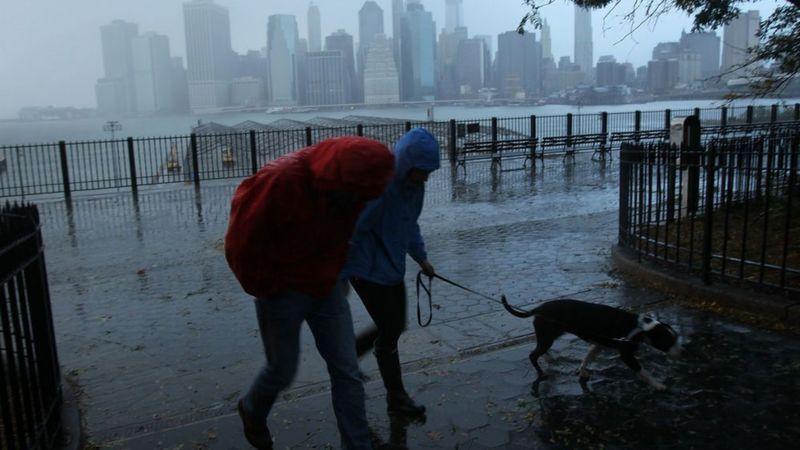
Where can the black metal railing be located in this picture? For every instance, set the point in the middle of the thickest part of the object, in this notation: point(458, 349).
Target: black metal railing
point(729, 208)
point(218, 153)
point(30, 378)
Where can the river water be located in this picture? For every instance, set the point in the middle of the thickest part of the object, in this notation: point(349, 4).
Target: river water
point(15, 132)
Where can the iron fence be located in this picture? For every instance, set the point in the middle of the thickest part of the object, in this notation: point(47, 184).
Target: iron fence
point(30, 378)
point(729, 208)
point(214, 152)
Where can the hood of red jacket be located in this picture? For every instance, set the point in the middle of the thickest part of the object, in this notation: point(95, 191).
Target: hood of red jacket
point(352, 164)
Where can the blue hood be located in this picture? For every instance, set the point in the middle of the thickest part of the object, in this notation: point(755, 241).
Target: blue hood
point(417, 149)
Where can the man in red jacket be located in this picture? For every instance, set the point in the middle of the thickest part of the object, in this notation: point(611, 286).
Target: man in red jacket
point(287, 241)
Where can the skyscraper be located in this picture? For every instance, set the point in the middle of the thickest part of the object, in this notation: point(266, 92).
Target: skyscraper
point(488, 49)
point(381, 80)
point(470, 66)
point(324, 82)
point(547, 41)
point(281, 47)
point(370, 26)
point(208, 54)
point(116, 91)
point(342, 42)
point(418, 67)
point(314, 28)
point(453, 15)
point(738, 36)
point(584, 47)
point(152, 73)
point(370, 23)
point(518, 64)
point(705, 44)
point(447, 85)
point(398, 10)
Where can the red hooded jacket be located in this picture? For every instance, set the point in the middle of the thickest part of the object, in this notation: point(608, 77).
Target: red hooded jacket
point(284, 231)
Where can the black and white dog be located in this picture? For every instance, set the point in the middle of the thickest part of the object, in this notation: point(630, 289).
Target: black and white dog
point(602, 326)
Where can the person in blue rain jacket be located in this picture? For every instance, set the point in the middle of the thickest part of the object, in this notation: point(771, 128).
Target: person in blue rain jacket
point(386, 231)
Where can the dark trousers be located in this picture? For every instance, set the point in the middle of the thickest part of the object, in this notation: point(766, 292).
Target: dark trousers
point(387, 307)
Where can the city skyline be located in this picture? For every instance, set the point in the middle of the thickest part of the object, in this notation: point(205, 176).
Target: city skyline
point(498, 20)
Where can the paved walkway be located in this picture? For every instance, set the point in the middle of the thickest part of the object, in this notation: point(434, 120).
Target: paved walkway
point(154, 329)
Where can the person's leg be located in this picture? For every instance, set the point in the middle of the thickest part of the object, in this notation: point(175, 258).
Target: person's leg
point(391, 320)
point(332, 326)
point(373, 296)
point(279, 321)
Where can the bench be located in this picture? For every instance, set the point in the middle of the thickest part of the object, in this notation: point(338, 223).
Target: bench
point(508, 148)
point(569, 143)
point(638, 136)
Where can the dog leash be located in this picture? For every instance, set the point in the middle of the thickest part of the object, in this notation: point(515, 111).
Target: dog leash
point(429, 292)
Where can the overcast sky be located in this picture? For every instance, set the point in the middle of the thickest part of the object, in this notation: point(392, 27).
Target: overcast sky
point(50, 49)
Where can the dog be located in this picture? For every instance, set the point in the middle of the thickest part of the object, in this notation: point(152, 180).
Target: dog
point(604, 327)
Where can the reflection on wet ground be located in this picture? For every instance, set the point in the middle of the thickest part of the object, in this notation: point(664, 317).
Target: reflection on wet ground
point(161, 340)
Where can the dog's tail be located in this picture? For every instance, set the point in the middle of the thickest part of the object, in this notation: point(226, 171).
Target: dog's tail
point(513, 310)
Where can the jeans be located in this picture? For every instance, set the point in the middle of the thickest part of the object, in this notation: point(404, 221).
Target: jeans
point(279, 320)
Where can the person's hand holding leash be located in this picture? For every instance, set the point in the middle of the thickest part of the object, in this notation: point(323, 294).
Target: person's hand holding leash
point(427, 268)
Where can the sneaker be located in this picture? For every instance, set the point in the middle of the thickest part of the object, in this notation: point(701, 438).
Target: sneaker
point(257, 434)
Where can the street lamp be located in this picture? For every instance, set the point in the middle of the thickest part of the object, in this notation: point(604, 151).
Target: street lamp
point(112, 126)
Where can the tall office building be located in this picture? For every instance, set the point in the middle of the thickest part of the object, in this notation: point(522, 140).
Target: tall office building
point(584, 46)
point(300, 70)
point(325, 84)
point(281, 48)
point(610, 72)
point(518, 65)
point(381, 79)
point(453, 15)
point(488, 49)
point(738, 36)
point(152, 73)
point(705, 44)
point(180, 85)
point(662, 75)
point(314, 28)
point(446, 50)
point(398, 10)
point(116, 93)
point(342, 42)
point(418, 66)
point(470, 66)
point(547, 41)
point(370, 27)
point(208, 54)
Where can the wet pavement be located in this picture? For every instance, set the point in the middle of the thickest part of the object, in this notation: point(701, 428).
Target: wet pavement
point(161, 341)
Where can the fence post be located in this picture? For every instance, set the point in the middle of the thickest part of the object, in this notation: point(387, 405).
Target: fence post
point(451, 142)
point(604, 132)
point(62, 152)
point(723, 122)
point(359, 130)
point(625, 152)
point(749, 114)
point(494, 139)
point(637, 121)
point(253, 154)
point(710, 155)
point(697, 113)
point(195, 162)
point(667, 119)
point(533, 141)
point(408, 127)
point(797, 111)
point(773, 114)
point(569, 129)
point(309, 140)
point(132, 166)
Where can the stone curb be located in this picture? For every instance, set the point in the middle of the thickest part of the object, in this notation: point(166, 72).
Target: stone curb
point(680, 284)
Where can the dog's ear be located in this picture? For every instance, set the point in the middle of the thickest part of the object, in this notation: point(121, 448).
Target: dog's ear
point(646, 322)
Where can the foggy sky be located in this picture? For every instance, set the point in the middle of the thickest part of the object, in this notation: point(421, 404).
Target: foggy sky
point(50, 50)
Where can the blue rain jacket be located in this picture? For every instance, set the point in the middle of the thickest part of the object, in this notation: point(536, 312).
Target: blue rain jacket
point(387, 228)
